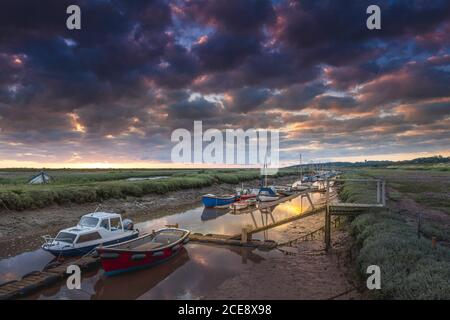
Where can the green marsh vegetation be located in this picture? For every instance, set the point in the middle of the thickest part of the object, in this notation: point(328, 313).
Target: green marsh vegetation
point(410, 267)
point(83, 186)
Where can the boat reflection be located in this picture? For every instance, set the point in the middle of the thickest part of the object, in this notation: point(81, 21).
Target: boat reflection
point(134, 284)
point(212, 213)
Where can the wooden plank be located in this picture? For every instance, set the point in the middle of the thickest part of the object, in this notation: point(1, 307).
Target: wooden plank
point(356, 205)
point(225, 240)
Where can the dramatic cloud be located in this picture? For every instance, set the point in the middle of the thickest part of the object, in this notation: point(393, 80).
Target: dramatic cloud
point(138, 69)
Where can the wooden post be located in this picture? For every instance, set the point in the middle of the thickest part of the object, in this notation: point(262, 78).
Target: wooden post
point(327, 229)
point(310, 201)
point(244, 235)
point(327, 184)
point(383, 193)
point(378, 191)
point(419, 222)
point(433, 242)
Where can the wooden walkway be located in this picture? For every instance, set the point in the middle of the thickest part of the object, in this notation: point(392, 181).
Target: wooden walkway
point(38, 280)
point(221, 239)
point(281, 222)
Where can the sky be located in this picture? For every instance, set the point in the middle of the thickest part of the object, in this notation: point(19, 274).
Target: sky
point(111, 94)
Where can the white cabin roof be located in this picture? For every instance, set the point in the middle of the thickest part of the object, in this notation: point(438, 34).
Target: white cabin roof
point(102, 215)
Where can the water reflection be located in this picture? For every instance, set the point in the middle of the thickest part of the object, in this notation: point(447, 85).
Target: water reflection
point(196, 220)
point(192, 274)
point(212, 213)
point(135, 284)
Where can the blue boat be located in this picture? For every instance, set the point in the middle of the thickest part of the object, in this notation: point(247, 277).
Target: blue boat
point(213, 201)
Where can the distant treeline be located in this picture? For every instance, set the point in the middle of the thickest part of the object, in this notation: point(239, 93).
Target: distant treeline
point(379, 163)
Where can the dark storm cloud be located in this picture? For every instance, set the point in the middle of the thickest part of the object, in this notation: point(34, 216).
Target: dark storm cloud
point(232, 16)
point(138, 69)
point(247, 99)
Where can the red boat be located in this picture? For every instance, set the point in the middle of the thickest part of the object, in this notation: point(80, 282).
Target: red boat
point(143, 252)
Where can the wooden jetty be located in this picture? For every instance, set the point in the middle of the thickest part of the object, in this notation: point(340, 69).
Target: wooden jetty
point(279, 222)
point(346, 209)
point(38, 280)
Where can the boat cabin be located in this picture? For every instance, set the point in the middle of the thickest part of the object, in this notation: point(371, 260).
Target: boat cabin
point(91, 227)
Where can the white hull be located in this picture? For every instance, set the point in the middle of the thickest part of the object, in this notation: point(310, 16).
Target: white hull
point(267, 198)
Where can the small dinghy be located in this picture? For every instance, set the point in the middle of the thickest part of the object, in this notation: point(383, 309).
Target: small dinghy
point(301, 186)
point(244, 194)
point(213, 201)
point(239, 205)
point(143, 252)
point(94, 229)
point(243, 204)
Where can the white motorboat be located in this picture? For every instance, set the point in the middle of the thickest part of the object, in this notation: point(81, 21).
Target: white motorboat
point(94, 229)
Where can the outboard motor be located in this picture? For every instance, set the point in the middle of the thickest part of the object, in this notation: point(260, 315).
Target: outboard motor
point(128, 224)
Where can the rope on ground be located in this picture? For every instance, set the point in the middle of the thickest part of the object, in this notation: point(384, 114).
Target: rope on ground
point(341, 294)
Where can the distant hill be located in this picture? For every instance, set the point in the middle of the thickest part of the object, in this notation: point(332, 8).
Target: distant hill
point(379, 163)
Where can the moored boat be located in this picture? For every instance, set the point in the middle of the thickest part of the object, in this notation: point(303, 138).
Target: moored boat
point(244, 194)
point(213, 201)
point(143, 252)
point(301, 186)
point(267, 194)
point(93, 229)
point(239, 205)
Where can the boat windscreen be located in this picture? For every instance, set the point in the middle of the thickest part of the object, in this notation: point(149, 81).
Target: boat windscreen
point(66, 237)
point(88, 222)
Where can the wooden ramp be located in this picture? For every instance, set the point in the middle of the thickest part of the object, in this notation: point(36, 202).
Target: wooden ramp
point(39, 280)
point(221, 239)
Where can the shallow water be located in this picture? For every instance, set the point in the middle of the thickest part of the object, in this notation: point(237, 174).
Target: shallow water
point(196, 270)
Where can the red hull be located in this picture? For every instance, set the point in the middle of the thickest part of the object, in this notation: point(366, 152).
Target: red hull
point(247, 196)
point(117, 260)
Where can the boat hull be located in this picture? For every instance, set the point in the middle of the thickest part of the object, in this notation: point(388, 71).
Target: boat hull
point(211, 201)
point(125, 264)
point(267, 198)
point(240, 205)
point(116, 261)
point(74, 252)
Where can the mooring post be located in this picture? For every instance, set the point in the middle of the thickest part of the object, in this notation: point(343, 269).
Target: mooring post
point(244, 235)
point(327, 229)
point(310, 201)
point(378, 191)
